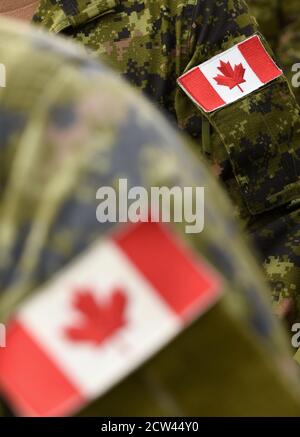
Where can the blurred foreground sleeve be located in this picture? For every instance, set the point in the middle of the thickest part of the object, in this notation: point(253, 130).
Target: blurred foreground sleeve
point(69, 127)
point(255, 147)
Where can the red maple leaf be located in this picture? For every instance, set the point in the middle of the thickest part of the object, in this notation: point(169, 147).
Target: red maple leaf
point(100, 320)
point(231, 77)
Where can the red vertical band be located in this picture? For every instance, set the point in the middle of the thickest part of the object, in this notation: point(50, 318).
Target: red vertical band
point(186, 284)
point(259, 59)
point(31, 379)
point(201, 91)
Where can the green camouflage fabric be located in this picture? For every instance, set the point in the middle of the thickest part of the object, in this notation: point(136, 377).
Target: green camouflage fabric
point(279, 21)
point(254, 145)
point(69, 126)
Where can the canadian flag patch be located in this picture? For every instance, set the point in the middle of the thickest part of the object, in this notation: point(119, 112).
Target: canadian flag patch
point(230, 75)
point(102, 317)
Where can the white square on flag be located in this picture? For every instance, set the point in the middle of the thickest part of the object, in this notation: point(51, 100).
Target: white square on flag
point(101, 318)
point(230, 75)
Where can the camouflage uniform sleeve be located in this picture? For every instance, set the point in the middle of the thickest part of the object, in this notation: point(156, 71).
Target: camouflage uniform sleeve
point(256, 144)
point(59, 145)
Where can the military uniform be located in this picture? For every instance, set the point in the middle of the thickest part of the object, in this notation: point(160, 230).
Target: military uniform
point(280, 23)
point(65, 123)
point(253, 144)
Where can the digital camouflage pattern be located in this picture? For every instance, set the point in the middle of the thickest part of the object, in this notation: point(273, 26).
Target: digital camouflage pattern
point(69, 126)
point(280, 23)
point(254, 145)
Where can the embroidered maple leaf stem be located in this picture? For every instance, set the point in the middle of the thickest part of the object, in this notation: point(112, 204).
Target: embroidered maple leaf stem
point(230, 77)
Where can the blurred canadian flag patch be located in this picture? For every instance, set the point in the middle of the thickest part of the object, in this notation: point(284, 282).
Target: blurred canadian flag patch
point(230, 75)
point(102, 317)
